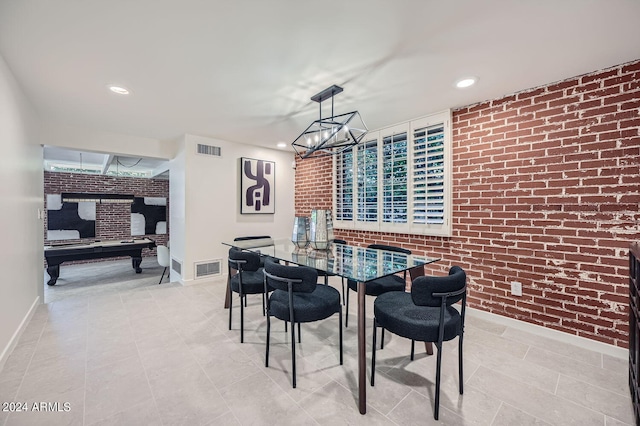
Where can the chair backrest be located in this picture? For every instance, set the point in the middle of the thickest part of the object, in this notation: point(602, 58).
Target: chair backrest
point(337, 241)
point(389, 248)
point(163, 256)
point(246, 260)
point(304, 278)
point(423, 288)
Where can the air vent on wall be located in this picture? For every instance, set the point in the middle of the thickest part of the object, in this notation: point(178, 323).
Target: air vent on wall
point(214, 151)
point(176, 265)
point(208, 268)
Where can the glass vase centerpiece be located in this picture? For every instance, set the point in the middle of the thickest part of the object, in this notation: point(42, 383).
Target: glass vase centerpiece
point(320, 229)
point(300, 235)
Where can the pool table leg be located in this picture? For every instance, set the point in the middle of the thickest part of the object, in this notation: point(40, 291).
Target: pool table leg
point(136, 261)
point(54, 273)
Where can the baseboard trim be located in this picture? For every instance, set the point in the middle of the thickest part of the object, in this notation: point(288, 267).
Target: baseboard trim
point(18, 333)
point(550, 333)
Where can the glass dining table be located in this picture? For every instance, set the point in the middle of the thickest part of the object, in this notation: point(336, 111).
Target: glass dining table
point(359, 264)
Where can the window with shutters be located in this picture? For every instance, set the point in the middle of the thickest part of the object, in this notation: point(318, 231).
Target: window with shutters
point(399, 180)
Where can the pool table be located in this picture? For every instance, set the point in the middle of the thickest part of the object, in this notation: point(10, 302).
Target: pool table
point(56, 254)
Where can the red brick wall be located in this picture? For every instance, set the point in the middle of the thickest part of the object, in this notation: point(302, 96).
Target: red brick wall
point(313, 185)
point(546, 193)
point(113, 221)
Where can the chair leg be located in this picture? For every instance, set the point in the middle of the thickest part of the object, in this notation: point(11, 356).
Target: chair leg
point(343, 301)
point(460, 376)
point(162, 277)
point(242, 319)
point(382, 340)
point(436, 407)
point(413, 348)
point(373, 353)
point(230, 298)
point(266, 358)
point(299, 334)
point(326, 279)
point(346, 313)
point(293, 353)
point(340, 327)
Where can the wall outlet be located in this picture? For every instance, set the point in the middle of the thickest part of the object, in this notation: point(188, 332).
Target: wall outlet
point(516, 288)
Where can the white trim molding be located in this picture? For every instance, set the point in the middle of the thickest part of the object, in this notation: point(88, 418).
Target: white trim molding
point(18, 333)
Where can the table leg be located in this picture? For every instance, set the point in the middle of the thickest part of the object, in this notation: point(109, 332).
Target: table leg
point(428, 346)
point(362, 352)
point(54, 273)
point(226, 291)
point(135, 262)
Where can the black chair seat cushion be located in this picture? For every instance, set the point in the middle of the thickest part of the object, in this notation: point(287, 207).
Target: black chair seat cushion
point(252, 282)
point(396, 312)
point(381, 285)
point(321, 303)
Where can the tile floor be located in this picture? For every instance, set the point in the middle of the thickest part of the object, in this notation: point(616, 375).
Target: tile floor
point(137, 353)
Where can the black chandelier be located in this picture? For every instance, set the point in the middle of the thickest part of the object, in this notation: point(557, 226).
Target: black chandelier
point(330, 135)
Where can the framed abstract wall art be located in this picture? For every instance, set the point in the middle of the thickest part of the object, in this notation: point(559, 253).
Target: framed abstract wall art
point(70, 221)
point(257, 186)
point(148, 216)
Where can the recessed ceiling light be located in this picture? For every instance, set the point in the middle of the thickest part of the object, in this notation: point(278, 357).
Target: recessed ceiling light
point(282, 144)
point(119, 89)
point(465, 82)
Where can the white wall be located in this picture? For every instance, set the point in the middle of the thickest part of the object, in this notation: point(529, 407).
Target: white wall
point(211, 200)
point(177, 207)
point(21, 192)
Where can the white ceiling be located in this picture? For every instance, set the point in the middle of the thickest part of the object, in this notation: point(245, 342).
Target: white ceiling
point(244, 71)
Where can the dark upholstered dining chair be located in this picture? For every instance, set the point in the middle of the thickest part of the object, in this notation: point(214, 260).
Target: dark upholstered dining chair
point(249, 279)
point(297, 298)
point(380, 285)
point(426, 315)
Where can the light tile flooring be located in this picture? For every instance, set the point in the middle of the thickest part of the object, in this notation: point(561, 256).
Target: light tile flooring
point(137, 353)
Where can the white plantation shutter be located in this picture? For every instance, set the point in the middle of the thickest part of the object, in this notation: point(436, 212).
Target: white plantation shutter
point(428, 175)
point(344, 186)
point(367, 192)
point(431, 175)
point(394, 178)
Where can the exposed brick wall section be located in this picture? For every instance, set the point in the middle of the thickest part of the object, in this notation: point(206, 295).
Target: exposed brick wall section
point(546, 192)
point(113, 221)
point(314, 185)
